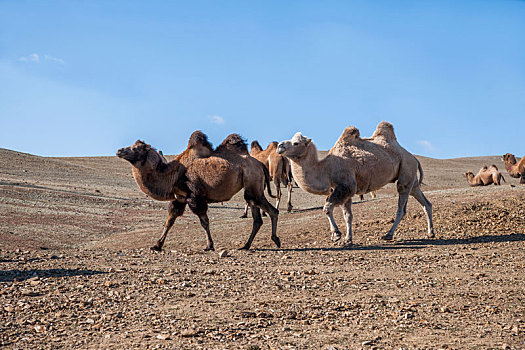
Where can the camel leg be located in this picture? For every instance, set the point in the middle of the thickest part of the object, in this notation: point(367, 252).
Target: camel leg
point(403, 192)
point(338, 196)
point(347, 213)
point(245, 215)
point(278, 193)
point(263, 204)
point(205, 223)
point(427, 208)
point(175, 210)
point(289, 188)
point(200, 208)
point(257, 223)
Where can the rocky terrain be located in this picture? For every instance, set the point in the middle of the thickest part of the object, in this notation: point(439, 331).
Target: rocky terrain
point(76, 270)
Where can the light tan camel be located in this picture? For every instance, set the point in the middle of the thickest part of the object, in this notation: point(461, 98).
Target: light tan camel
point(279, 169)
point(357, 166)
point(485, 176)
point(201, 175)
point(514, 168)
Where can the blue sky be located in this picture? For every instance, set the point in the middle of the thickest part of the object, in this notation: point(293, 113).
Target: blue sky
point(81, 78)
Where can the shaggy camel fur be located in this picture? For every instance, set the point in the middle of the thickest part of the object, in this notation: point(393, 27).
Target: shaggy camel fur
point(514, 168)
point(357, 166)
point(485, 176)
point(279, 169)
point(201, 175)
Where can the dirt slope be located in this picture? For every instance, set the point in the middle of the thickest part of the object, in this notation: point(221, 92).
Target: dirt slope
point(76, 271)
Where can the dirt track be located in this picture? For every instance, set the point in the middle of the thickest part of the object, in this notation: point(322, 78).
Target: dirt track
point(76, 270)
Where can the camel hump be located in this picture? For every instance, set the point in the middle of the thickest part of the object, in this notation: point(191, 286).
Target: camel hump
point(234, 142)
point(493, 166)
point(385, 130)
point(273, 145)
point(350, 135)
point(198, 138)
point(256, 146)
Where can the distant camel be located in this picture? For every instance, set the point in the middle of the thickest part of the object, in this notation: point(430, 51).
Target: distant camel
point(515, 170)
point(372, 194)
point(357, 166)
point(201, 175)
point(485, 176)
point(279, 168)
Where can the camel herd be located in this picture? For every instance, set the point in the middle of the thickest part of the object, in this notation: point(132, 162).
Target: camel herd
point(354, 166)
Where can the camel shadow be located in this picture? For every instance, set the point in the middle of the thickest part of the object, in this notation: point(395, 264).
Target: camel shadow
point(22, 275)
point(412, 244)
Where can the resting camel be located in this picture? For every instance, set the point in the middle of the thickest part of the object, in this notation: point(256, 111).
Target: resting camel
point(279, 169)
point(199, 176)
point(357, 166)
point(515, 170)
point(485, 176)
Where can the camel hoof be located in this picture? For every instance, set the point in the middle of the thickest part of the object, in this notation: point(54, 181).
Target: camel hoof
point(277, 241)
point(290, 208)
point(243, 216)
point(245, 247)
point(336, 236)
point(387, 237)
point(207, 249)
point(156, 248)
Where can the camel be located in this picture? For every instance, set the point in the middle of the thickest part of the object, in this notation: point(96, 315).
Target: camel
point(372, 194)
point(514, 168)
point(357, 166)
point(199, 176)
point(279, 169)
point(485, 176)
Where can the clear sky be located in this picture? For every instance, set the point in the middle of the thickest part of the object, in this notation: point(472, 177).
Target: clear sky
point(81, 78)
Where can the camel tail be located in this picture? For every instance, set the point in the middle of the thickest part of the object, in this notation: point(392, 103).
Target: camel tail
point(503, 177)
point(267, 181)
point(420, 172)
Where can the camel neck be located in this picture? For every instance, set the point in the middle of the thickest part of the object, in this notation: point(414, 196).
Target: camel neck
point(160, 183)
point(311, 174)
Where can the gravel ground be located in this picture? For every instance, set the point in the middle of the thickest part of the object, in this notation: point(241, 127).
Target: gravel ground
point(77, 272)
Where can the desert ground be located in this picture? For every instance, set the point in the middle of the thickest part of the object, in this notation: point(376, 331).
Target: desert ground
point(76, 270)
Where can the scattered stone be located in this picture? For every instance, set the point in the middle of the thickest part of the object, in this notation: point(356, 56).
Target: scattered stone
point(223, 254)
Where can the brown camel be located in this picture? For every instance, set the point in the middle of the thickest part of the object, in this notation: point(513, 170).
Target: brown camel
point(279, 169)
point(485, 176)
point(201, 175)
point(514, 168)
point(357, 166)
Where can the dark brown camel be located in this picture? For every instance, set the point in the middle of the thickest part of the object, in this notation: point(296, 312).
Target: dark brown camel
point(199, 176)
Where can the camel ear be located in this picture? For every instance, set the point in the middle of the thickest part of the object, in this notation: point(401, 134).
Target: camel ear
point(308, 141)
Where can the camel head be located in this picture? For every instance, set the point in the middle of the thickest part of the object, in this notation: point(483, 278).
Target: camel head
point(141, 153)
point(468, 174)
point(509, 158)
point(294, 148)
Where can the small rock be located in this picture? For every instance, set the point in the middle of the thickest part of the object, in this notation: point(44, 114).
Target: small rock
point(9, 308)
point(163, 336)
point(188, 333)
point(39, 329)
point(223, 254)
point(28, 293)
point(367, 342)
